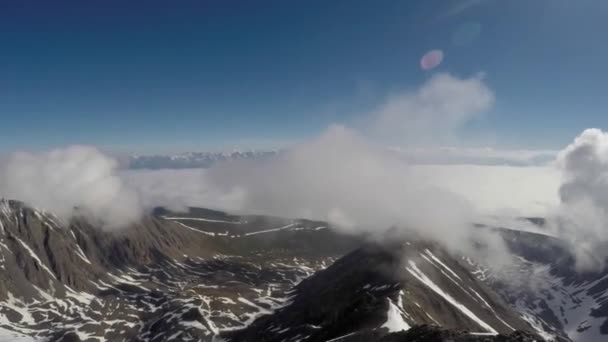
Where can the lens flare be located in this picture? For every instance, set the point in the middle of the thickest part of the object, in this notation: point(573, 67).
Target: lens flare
point(431, 59)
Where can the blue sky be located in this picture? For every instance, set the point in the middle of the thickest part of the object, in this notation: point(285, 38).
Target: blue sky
point(150, 76)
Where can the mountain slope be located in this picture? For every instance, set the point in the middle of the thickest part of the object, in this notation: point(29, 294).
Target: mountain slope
point(153, 280)
point(200, 274)
point(381, 289)
point(544, 286)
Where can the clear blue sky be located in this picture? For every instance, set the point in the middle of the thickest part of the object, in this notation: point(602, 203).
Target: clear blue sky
point(193, 75)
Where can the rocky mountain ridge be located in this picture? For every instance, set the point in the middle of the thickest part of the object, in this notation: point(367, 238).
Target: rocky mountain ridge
point(207, 275)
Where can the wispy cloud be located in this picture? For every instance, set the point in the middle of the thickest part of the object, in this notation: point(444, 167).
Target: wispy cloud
point(457, 7)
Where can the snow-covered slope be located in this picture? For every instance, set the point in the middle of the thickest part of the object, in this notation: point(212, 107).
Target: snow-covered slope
point(543, 285)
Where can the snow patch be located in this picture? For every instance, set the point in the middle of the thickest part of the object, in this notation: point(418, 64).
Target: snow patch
point(414, 271)
point(394, 319)
point(270, 230)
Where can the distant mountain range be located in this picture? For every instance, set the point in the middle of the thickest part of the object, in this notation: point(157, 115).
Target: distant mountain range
point(443, 155)
point(190, 160)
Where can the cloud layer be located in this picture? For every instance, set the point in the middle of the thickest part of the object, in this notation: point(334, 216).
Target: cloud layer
point(476, 156)
point(75, 180)
point(341, 178)
point(177, 189)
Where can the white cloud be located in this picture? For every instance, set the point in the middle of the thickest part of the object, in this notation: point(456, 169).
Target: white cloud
point(582, 217)
point(177, 189)
point(75, 179)
point(339, 176)
point(433, 113)
point(345, 179)
point(342, 178)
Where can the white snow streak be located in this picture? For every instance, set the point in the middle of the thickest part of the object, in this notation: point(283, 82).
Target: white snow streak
point(270, 230)
point(200, 219)
point(196, 230)
point(35, 257)
point(394, 319)
point(413, 270)
point(436, 259)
